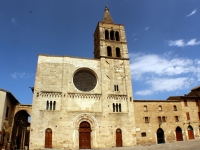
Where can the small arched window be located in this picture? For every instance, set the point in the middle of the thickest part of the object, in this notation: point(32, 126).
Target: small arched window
point(116, 107)
point(117, 36)
point(175, 108)
point(120, 109)
point(50, 105)
point(109, 51)
point(112, 35)
point(118, 54)
point(160, 108)
point(113, 107)
point(145, 108)
point(54, 105)
point(106, 34)
point(47, 105)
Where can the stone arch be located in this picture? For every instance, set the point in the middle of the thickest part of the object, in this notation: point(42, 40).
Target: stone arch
point(85, 117)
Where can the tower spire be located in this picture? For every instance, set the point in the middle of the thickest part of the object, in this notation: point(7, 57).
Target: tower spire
point(107, 17)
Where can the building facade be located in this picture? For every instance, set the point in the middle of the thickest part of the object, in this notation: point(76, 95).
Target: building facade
point(13, 122)
point(85, 103)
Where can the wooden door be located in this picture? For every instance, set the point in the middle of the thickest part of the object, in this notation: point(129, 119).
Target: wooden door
point(190, 133)
point(179, 135)
point(48, 138)
point(84, 136)
point(118, 138)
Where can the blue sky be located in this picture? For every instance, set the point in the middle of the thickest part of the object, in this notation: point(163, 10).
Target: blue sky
point(163, 41)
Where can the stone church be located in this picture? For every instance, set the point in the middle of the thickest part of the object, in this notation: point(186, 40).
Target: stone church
point(85, 103)
point(81, 103)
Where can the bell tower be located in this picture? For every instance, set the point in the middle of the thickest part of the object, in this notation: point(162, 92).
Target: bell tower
point(110, 39)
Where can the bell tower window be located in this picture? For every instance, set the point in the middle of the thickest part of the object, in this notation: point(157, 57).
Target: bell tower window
point(106, 34)
point(118, 52)
point(109, 51)
point(117, 36)
point(112, 35)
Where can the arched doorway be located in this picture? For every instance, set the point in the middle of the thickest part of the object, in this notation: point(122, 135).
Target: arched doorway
point(48, 138)
point(118, 138)
point(179, 135)
point(20, 132)
point(190, 132)
point(160, 136)
point(84, 135)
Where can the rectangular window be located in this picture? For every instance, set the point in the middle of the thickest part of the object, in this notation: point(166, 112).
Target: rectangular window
point(146, 119)
point(188, 115)
point(197, 102)
point(7, 111)
point(159, 119)
point(185, 103)
point(176, 119)
point(143, 134)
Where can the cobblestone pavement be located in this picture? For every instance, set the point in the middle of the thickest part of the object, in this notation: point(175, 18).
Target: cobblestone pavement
point(182, 145)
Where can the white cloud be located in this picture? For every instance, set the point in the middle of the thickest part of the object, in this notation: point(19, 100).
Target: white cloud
point(179, 43)
point(193, 42)
point(146, 28)
point(20, 75)
point(192, 13)
point(182, 43)
point(13, 21)
point(161, 73)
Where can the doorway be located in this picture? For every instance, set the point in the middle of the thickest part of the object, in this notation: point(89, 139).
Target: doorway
point(160, 136)
point(84, 135)
point(179, 135)
point(190, 132)
point(118, 138)
point(48, 138)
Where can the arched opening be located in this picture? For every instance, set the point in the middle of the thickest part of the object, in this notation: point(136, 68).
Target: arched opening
point(109, 51)
point(160, 108)
point(112, 35)
point(117, 36)
point(179, 135)
point(116, 107)
point(84, 135)
point(118, 54)
point(20, 133)
point(47, 105)
point(50, 105)
point(120, 109)
point(48, 138)
point(190, 132)
point(54, 105)
point(145, 108)
point(113, 107)
point(160, 136)
point(118, 138)
point(106, 34)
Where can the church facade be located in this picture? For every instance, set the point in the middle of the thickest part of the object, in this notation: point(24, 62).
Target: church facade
point(85, 103)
